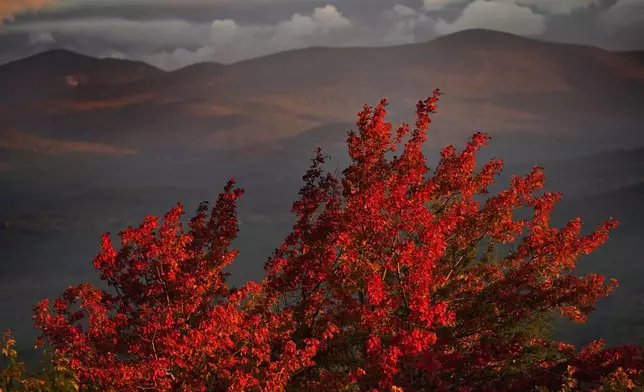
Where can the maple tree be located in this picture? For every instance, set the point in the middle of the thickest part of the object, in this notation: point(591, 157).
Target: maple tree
point(392, 279)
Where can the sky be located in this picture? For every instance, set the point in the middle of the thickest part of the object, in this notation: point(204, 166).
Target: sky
point(171, 34)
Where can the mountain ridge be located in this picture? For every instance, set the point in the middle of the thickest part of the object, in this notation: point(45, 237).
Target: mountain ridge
point(494, 81)
point(481, 34)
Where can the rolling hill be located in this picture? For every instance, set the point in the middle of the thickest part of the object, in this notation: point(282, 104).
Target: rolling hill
point(501, 83)
point(56, 71)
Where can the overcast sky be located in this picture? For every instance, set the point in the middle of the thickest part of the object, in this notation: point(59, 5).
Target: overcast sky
point(175, 33)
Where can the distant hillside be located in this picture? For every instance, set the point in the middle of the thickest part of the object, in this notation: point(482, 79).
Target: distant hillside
point(57, 71)
point(619, 318)
point(591, 174)
point(527, 90)
point(636, 55)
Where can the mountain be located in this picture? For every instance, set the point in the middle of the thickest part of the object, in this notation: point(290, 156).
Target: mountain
point(57, 71)
point(497, 82)
point(635, 55)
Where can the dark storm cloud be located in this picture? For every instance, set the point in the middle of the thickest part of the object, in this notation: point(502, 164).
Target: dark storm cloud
point(174, 33)
point(193, 10)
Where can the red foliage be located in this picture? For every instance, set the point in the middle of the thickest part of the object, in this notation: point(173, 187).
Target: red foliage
point(389, 280)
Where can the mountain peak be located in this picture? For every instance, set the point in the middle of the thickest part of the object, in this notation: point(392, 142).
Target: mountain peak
point(53, 57)
point(486, 37)
point(60, 53)
point(66, 58)
point(58, 69)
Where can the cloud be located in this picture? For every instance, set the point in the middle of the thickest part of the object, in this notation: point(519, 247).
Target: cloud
point(496, 15)
point(407, 25)
point(171, 43)
point(11, 8)
point(403, 11)
point(231, 41)
point(624, 13)
point(438, 5)
point(41, 38)
point(175, 33)
point(328, 17)
point(79, 4)
point(111, 54)
point(171, 32)
point(179, 57)
point(223, 31)
point(557, 7)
